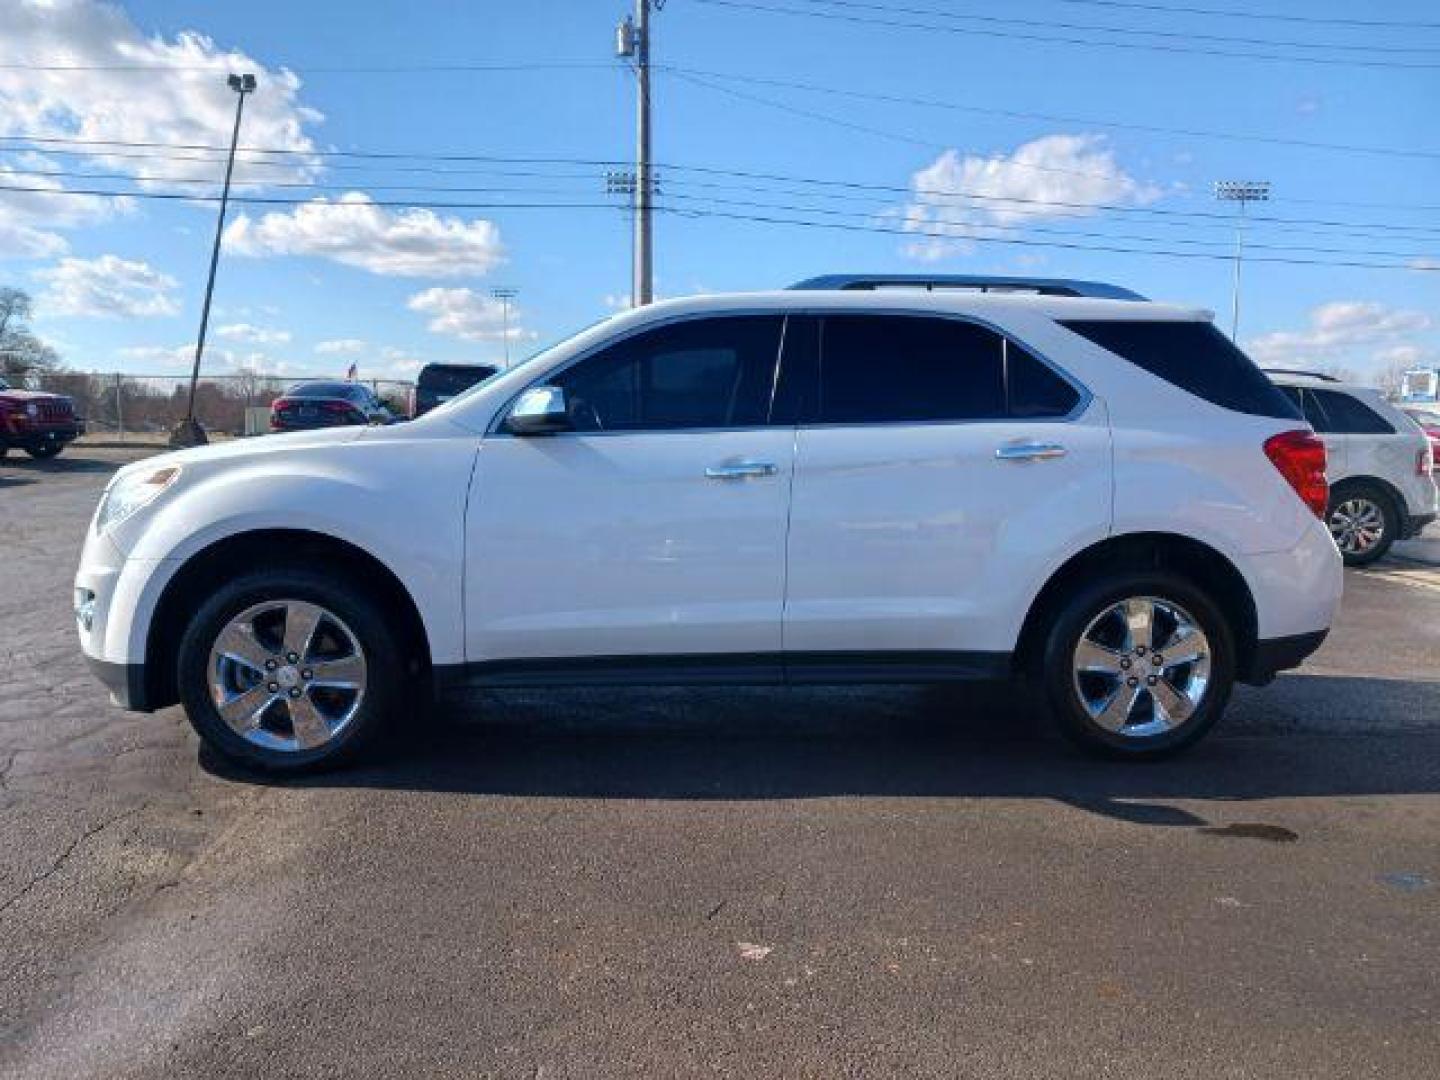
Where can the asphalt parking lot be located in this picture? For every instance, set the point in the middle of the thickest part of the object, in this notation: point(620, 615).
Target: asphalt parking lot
point(908, 881)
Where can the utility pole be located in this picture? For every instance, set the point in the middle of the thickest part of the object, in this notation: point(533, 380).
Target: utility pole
point(505, 294)
point(633, 41)
point(189, 432)
point(1243, 192)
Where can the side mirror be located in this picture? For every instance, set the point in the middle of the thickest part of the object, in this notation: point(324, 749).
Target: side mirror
point(541, 410)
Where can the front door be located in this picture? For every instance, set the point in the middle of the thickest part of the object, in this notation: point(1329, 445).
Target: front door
point(656, 527)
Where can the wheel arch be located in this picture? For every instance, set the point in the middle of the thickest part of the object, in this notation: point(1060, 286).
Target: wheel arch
point(225, 557)
point(1385, 487)
point(1184, 555)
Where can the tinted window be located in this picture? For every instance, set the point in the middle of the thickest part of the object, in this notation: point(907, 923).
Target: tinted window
point(322, 389)
point(1034, 390)
point(878, 368)
point(1346, 415)
point(1195, 357)
point(695, 374)
point(452, 380)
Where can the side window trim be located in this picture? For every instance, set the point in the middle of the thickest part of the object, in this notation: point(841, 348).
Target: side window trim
point(808, 418)
point(495, 429)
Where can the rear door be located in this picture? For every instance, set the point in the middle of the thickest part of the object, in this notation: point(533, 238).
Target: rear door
point(1337, 442)
point(942, 473)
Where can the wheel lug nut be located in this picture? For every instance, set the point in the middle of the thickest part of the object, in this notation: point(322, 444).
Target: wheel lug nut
point(1150, 681)
point(273, 687)
point(1139, 650)
point(271, 665)
point(1132, 681)
point(292, 657)
point(1125, 664)
point(295, 692)
point(307, 674)
point(1157, 659)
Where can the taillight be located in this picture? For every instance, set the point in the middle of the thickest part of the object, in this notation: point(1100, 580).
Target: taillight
point(1425, 459)
point(1300, 457)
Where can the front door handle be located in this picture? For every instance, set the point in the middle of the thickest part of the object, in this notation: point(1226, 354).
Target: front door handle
point(1029, 451)
point(740, 470)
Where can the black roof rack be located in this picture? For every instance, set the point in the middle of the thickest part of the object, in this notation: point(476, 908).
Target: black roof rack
point(1299, 371)
point(977, 282)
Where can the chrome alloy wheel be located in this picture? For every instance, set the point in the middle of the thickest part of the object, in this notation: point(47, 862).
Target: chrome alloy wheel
point(1142, 667)
point(1357, 525)
point(286, 675)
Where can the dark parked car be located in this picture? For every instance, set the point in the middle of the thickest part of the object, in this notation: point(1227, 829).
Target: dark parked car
point(38, 423)
point(327, 404)
point(438, 383)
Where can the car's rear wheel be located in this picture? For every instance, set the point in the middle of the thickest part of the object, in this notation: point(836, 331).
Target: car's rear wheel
point(1364, 522)
point(1138, 665)
point(44, 451)
point(290, 670)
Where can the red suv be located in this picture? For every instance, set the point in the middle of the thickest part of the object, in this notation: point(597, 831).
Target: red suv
point(36, 422)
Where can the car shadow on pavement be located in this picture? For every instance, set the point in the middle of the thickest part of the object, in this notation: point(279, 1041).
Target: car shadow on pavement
point(62, 464)
point(892, 742)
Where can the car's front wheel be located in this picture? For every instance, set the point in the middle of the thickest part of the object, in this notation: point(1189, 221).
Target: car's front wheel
point(1138, 665)
point(44, 451)
point(290, 670)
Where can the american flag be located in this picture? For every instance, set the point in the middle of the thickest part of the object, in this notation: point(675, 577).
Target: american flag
point(351, 373)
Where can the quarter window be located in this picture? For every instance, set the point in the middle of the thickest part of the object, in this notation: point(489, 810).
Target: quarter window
point(1346, 415)
point(696, 374)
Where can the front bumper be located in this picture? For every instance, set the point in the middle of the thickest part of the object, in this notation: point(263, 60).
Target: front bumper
point(58, 435)
point(126, 683)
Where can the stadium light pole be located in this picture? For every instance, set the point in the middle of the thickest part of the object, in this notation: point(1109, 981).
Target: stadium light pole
point(1243, 192)
point(505, 294)
point(189, 432)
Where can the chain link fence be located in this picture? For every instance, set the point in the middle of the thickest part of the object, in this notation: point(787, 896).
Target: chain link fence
point(144, 407)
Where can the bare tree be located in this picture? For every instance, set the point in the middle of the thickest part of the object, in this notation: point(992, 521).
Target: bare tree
point(21, 352)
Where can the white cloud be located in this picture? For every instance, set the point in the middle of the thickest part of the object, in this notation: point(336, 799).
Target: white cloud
point(28, 219)
point(189, 103)
point(354, 231)
point(1054, 177)
point(254, 335)
point(467, 314)
point(341, 347)
point(108, 287)
point(1365, 336)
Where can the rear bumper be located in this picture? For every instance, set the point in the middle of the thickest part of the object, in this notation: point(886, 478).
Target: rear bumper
point(1273, 655)
point(126, 683)
point(1415, 523)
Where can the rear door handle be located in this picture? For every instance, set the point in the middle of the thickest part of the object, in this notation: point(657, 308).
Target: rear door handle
point(1029, 451)
point(740, 470)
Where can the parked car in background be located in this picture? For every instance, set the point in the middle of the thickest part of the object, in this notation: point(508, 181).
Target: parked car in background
point(1382, 487)
point(1428, 420)
point(41, 424)
point(327, 404)
point(859, 479)
point(438, 383)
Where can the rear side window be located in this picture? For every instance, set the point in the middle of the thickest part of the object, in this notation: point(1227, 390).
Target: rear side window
point(1193, 356)
point(452, 380)
point(1346, 415)
point(898, 368)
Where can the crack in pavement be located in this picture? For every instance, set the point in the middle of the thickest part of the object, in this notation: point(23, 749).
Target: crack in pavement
point(70, 850)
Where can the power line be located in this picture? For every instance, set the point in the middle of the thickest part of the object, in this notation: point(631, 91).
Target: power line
point(838, 16)
point(392, 156)
point(380, 69)
point(1182, 35)
point(1166, 9)
point(1015, 114)
point(762, 219)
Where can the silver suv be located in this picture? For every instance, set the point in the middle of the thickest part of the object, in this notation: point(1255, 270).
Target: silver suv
point(1382, 487)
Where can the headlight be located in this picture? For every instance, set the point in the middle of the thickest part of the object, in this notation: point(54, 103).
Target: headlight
point(130, 493)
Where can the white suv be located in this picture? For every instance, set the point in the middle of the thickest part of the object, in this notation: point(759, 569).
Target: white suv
point(854, 480)
point(1380, 463)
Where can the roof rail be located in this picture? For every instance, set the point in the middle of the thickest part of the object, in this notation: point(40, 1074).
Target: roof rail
point(1299, 371)
point(978, 282)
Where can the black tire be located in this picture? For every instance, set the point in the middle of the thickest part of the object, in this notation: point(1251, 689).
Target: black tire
point(45, 452)
point(385, 682)
point(1349, 494)
point(1090, 601)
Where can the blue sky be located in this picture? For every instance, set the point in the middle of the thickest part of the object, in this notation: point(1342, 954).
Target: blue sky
point(1113, 155)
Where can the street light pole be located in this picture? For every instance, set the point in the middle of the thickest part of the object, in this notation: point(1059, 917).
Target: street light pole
point(189, 432)
point(633, 40)
point(1243, 192)
point(505, 294)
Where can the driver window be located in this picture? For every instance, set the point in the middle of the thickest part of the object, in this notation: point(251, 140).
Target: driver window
point(701, 373)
